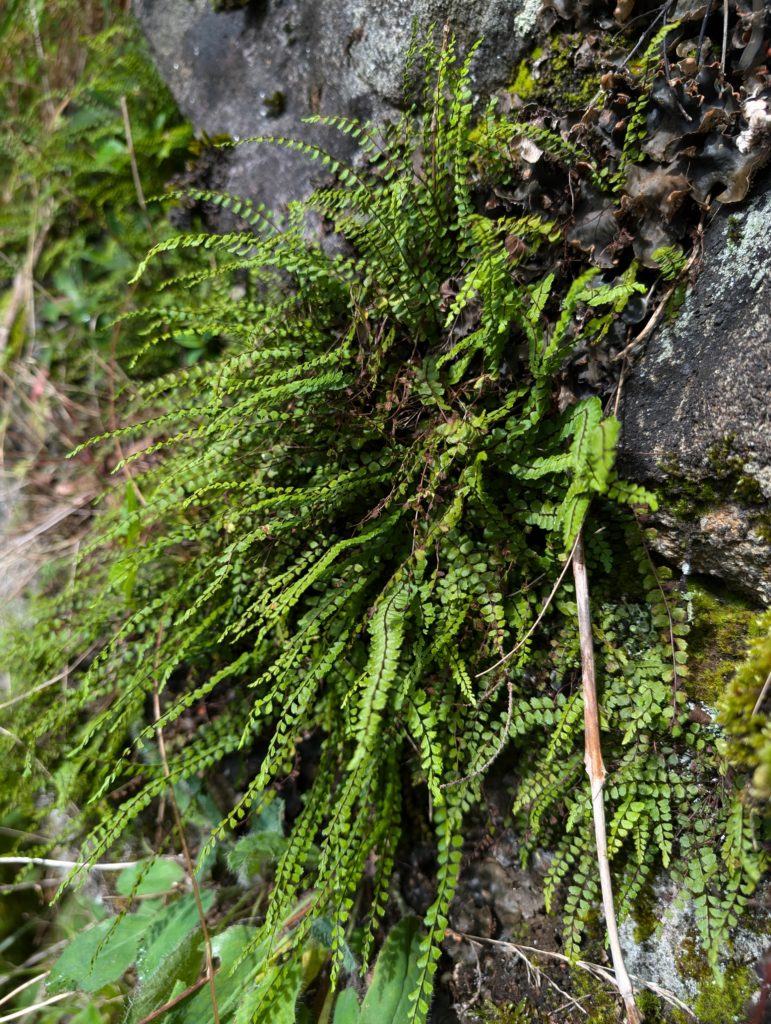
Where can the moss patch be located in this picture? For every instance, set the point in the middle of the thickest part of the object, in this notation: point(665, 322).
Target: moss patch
point(645, 918)
point(744, 711)
point(509, 1013)
point(721, 1000)
point(725, 478)
point(524, 85)
point(550, 74)
point(717, 642)
point(722, 1003)
point(597, 998)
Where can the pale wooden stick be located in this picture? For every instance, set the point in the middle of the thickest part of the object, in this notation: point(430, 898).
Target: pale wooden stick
point(46, 862)
point(596, 772)
point(762, 696)
point(25, 984)
point(36, 1006)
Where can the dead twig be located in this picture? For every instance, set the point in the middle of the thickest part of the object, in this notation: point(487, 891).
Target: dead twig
point(541, 975)
point(596, 772)
point(134, 168)
point(26, 984)
point(36, 1006)
point(586, 965)
point(648, 329)
point(13, 887)
point(535, 625)
point(53, 519)
point(47, 862)
point(50, 682)
point(656, 315)
point(761, 696)
point(724, 48)
point(190, 991)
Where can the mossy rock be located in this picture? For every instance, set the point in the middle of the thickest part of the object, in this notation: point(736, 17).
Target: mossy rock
point(744, 711)
point(563, 73)
point(717, 644)
point(722, 999)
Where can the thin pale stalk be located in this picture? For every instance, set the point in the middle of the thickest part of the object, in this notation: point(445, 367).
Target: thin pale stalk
point(24, 985)
point(47, 862)
point(596, 771)
point(35, 1006)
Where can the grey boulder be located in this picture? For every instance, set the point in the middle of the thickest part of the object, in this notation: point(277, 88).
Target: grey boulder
point(697, 408)
point(262, 68)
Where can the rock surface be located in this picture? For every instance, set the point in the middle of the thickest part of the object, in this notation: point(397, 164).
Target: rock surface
point(697, 409)
point(259, 70)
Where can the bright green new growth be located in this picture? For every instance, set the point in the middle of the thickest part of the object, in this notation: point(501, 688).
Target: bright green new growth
point(353, 517)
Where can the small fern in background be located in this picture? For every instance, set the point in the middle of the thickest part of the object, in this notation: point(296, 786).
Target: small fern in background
point(340, 539)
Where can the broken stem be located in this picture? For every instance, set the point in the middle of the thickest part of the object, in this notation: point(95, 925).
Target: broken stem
point(596, 772)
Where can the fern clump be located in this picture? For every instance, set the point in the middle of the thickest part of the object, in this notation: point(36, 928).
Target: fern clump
point(349, 529)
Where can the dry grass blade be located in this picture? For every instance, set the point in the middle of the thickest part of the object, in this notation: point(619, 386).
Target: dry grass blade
point(585, 965)
point(596, 772)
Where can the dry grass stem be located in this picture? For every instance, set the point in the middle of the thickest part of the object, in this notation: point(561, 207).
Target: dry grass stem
point(596, 772)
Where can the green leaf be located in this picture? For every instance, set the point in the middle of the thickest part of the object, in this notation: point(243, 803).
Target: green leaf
point(239, 992)
point(101, 954)
point(347, 1009)
point(167, 930)
point(181, 968)
point(602, 452)
point(151, 876)
point(253, 854)
point(395, 976)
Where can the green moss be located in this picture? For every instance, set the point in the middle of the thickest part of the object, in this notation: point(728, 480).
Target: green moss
point(719, 1000)
point(748, 491)
point(691, 962)
point(717, 642)
point(275, 104)
point(524, 85)
point(734, 232)
point(645, 919)
point(725, 1000)
point(655, 1010)
point(744, 715)
point(595, 996)
point(557, 81)
point(722, 1003)
point(689, 496)
point(507, 1013)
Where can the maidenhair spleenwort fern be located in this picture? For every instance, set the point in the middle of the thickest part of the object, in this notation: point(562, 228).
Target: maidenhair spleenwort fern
point(344, 524)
